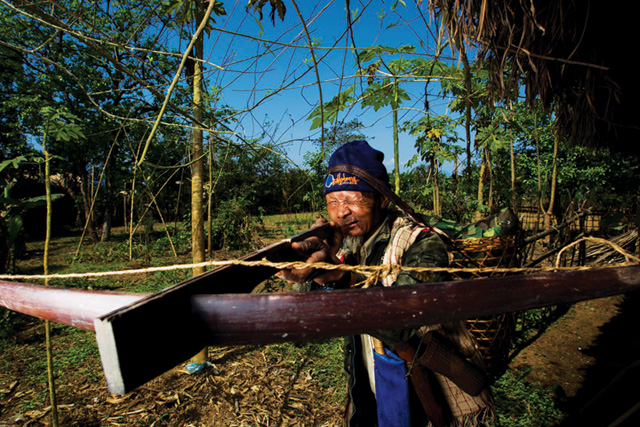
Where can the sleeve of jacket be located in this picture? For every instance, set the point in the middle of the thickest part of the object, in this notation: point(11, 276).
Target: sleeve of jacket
point(427, 251)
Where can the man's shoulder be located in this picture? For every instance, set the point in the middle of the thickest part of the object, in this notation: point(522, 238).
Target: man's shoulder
point(418, 239)
point(428, 244)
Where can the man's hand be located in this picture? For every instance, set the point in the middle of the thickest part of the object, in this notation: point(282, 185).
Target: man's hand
point(314, 250)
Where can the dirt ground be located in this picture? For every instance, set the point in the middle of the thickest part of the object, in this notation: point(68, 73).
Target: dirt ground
point(242, 388)
point(590, 360)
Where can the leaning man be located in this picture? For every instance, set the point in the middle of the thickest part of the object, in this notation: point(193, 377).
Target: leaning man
point(447, 385)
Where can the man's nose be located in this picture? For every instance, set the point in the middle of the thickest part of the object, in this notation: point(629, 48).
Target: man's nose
point(343, 210)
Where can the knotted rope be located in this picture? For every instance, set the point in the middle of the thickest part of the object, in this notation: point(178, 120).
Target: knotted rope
point(374, 273)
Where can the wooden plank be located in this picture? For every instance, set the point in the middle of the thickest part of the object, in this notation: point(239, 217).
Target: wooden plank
point(235, 319)
point(140, 341)
point(280, 317)
point(73, 307)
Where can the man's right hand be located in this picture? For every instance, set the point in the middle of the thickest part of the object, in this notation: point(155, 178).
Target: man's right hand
point(314, 250)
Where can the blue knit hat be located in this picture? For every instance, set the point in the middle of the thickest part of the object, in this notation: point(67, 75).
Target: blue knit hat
point(355, 153)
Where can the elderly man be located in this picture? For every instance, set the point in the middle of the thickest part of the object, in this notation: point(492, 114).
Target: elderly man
point(447, 387)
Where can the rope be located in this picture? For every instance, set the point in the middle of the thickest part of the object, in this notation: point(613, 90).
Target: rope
point(374, 273)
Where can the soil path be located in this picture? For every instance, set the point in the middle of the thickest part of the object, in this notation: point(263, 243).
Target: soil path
point(590, 358)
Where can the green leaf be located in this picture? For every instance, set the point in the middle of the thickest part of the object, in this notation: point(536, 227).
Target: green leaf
point(612, 221)
point(369, 53)
point(331, 109)
point(12, 162)
point(14, 224)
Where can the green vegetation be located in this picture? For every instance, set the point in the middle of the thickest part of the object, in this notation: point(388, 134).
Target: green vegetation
point(520, 404)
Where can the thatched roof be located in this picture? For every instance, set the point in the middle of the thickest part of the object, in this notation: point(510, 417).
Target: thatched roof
point(575, 54)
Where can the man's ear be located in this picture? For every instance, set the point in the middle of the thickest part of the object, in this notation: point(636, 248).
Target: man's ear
point(384, 202)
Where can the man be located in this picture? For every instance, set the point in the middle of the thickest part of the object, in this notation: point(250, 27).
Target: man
point(369, 232)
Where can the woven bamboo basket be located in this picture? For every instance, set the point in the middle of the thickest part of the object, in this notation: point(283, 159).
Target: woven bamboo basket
point(493, 333)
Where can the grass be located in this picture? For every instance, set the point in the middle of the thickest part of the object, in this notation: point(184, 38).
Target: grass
point(286, 225)
point(521, 404)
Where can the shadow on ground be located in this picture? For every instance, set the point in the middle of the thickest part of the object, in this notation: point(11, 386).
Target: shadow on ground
point(610, 395)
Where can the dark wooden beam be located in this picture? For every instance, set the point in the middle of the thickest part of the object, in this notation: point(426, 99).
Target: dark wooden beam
point(235, 319)
point(270, 318)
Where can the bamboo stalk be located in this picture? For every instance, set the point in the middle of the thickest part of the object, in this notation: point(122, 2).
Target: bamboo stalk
point(47, 241)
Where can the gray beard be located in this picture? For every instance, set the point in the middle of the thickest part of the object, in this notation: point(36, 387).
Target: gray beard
point(352, 244)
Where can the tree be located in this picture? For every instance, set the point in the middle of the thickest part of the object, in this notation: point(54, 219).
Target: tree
point(57, 125)
point(436, 142)
point(388, 91)
point(103, 79)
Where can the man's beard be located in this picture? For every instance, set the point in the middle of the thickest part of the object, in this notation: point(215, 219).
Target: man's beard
point(352, 243)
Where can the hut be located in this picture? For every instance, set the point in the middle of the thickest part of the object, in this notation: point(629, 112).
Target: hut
point(574, 55)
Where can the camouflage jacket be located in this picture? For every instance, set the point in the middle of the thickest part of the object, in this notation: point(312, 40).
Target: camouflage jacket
point(428, 250)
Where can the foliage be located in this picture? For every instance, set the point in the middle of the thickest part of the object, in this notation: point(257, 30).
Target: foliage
point(260, 176)
point(436, 139)
point(110, 91)
point(181, 242)
point(10, 322)
point(457, 197)
point(112, 252)
point(159, 280)
point(184, 11)
point(277, 6)
point(234, 227)
point(329, 111)
point(12, 235)
point(519, 403)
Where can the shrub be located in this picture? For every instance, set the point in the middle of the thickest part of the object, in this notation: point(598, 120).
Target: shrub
point(234, 227)
point(181, 242)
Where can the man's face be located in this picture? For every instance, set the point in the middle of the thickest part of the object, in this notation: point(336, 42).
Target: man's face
point(357, 213)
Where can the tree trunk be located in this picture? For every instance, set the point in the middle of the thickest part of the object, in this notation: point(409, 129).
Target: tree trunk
point(552, 194)
point(396, 151)
point(437, 209)
point(514, 199)
point(124, 209)
point(106, 223)
point(489, 170)
point(539, 195)
point(197, 165)
point(467, 109)
point(108, 212)
point(210, 194)
point(454, 174)
point(480, 187)
point(86, 203)
point(197, 173)
point(45, 262)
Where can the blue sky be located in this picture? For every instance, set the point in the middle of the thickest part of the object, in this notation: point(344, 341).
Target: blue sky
point(264, 58)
